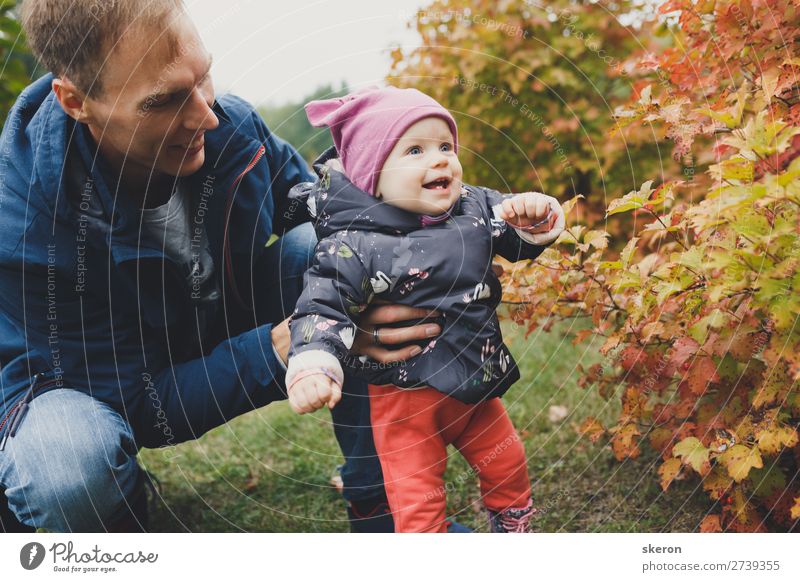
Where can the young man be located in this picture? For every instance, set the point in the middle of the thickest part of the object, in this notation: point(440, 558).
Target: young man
point(140, 302)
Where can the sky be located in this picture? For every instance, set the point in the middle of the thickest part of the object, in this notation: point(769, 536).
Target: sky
point(272, 52)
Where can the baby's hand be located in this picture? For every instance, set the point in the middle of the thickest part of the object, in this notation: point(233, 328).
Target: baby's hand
point(530, 209)
point(312, 391)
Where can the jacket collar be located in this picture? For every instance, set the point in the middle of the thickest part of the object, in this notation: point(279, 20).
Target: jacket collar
point(227, 152)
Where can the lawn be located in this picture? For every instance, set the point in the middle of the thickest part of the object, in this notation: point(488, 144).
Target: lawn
point(269, 470)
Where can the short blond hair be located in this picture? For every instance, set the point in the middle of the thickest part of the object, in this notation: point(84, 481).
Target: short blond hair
point(73, 38)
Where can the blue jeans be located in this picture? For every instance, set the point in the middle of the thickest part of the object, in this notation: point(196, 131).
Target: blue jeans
point(71, 465)
point(287, 260)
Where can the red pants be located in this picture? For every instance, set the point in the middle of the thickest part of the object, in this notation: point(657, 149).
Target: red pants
point(412, 429)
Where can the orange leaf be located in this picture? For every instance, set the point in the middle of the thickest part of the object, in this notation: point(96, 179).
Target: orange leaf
point(592, 428)
point(701, 373)
point(710, 524)
point(624, 442)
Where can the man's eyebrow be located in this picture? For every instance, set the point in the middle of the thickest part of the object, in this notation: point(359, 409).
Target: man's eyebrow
point(166, 90)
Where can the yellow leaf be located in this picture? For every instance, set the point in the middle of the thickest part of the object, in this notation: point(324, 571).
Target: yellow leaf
point(772, 441)
point(747, 518)
point(774, 388)
point(654, 328)
point(796, 508)
point(694, 454)
point(611, 343)
point(668, 471)
point(609, 265)
point(627, 252)
point(570, 204)
point(571, 235)
point(769, 82)
point(723, 117)
point(717, 483)
point(596, 238)
point(739, 459)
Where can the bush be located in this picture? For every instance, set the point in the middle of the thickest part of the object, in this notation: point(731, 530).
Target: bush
point(698, 315)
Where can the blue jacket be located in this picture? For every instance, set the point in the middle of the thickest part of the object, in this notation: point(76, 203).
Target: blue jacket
point(86, 304)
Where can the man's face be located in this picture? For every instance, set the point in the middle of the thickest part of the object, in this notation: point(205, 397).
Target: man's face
point(155, 105)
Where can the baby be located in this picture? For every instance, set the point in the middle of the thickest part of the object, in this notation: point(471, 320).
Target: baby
point(396, 223)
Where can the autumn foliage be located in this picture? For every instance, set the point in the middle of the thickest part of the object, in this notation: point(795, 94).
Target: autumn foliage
point(533, 87)
point(697, 315)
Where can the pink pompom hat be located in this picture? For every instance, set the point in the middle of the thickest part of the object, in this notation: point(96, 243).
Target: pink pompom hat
point(366, 126)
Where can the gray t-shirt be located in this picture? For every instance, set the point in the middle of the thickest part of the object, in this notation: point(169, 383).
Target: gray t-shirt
point(172, 228)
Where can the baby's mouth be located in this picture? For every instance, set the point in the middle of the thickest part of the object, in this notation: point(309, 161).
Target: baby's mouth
point(440, 184)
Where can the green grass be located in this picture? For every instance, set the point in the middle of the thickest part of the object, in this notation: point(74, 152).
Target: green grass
point(269, 470)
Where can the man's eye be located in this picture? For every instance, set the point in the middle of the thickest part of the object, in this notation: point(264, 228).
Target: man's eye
point(415, 150)
point(157, 101)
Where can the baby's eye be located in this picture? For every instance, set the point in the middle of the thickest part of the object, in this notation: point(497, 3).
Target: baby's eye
point(414, 150)
point(446, 147)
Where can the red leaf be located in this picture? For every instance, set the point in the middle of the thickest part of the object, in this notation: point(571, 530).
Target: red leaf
point(701, 373)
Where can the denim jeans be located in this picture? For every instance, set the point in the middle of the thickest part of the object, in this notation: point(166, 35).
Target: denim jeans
point(72, 466)
point(287, 260)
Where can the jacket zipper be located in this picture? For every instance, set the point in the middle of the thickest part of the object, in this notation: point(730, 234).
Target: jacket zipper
point(14, 416)
point(226, 242)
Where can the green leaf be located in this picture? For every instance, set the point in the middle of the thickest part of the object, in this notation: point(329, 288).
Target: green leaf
point(737, 168)
point(714, 320)
point(767, 481)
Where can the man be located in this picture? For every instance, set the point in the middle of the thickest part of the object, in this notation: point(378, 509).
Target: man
point(140, 302)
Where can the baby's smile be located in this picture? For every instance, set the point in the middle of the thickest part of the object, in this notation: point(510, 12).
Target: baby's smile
point(438, 184)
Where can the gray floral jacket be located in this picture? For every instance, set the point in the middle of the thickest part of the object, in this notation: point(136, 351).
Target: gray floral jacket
point(370, 250)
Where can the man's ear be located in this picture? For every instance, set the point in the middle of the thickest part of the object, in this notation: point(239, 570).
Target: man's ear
point(72, 99)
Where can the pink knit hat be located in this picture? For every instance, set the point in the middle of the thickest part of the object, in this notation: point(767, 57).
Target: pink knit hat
point(366, 126)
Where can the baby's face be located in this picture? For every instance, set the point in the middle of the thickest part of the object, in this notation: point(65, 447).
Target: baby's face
point(422, 173)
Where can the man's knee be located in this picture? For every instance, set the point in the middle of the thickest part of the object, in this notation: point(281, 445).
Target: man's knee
point(278, 277)
point(72, 473)
point(297, 250)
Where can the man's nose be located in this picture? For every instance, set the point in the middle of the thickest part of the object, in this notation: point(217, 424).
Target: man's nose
point(198, 114)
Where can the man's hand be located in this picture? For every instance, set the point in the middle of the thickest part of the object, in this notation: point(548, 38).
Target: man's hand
point(381, 314)
point(528, 209)
point(373, 318)
point(281, 338)
point(313, 392)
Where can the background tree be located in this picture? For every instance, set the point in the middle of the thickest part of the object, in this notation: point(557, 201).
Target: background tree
point(289, 121)
point(534, 88)
point(17, 62)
